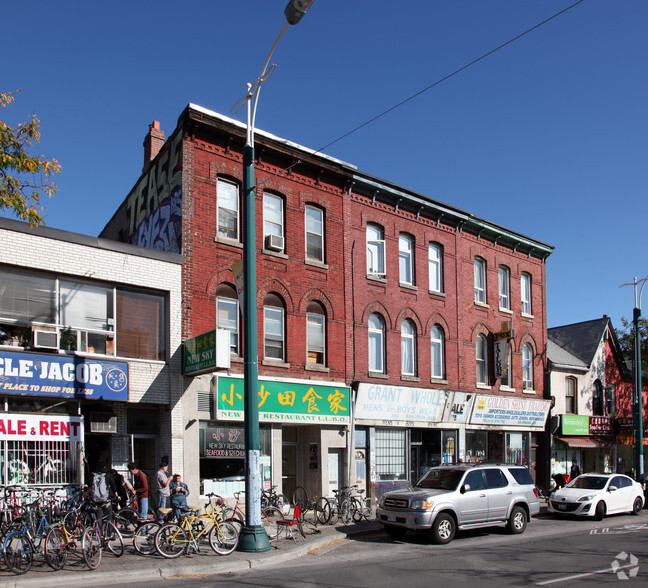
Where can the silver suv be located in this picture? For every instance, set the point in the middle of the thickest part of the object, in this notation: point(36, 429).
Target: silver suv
point(471, 496)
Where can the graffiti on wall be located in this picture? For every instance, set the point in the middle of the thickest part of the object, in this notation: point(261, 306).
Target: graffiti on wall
point(162, 229)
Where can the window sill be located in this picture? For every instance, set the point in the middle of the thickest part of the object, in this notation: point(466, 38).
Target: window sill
point(317, 264)
point(316, 368)
point(275, 363)
point(410, 379)
point(483, 386)
point(438, 381)
point(528, 391)
point(378, 375)
point(230, 242)
point(525, 315)
point(236, 359)
point(506, 389)
point(506, 310)
point(435, 293)
point(407, 286)
point(280, 254)
point(481, 304)
point(376, 278)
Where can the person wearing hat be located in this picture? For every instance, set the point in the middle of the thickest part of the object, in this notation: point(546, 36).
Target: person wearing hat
point(163, 482)
point(179, 492)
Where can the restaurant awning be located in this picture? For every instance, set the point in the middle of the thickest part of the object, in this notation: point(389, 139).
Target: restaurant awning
point(588, 442)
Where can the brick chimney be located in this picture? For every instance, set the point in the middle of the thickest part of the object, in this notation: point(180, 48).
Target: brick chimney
point(152, 143)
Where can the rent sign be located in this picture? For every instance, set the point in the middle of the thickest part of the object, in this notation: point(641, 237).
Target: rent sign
point(38, 427)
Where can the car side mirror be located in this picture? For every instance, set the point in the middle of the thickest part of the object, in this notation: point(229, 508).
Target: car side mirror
point(465, 488)
point(612, 488)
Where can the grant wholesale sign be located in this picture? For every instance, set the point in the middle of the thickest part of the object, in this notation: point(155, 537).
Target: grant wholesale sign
point(298, 401)
point(75, 377)
point(38, 427)
point(511, 412)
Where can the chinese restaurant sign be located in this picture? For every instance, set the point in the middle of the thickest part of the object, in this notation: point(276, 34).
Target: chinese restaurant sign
point(222, 442)
point(299, 401)
point(575, 424)
point(66, 377)
point(514, 412)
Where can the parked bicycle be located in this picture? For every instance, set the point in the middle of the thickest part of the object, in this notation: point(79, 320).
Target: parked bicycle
point(23, 543)
point(269, 515)
point(101, 534)
point(320, 506)
point(273, 498)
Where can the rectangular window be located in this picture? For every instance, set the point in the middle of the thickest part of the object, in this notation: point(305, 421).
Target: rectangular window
point(525, 287)
point(272, 215)
point(480, 280)
point(375, 251)
point(227, 318)
point(27, 298)
point(406, 259)
point(227, 196)
point(315, 234)
point(504, 288)
point(391, 462)
point(141, 325)
point(570, 395)
point(435, 266)
point(273, 330)
point(315, 338)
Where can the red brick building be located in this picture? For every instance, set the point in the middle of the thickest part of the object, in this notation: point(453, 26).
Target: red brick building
point(389, 323)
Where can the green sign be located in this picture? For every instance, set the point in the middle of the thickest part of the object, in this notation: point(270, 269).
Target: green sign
point(200, 354)
point(575, 424)
point(286, 401)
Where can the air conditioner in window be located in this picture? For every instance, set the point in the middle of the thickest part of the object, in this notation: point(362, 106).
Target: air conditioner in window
point(103, 422)
point(46, 339)
point(274, 243)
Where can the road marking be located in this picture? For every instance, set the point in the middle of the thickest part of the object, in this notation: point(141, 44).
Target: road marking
point(585, 575)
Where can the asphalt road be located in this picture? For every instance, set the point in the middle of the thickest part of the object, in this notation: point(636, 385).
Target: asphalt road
point(574, 552)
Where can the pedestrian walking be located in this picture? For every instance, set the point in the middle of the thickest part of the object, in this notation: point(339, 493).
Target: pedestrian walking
point(575, 470)
point(140, 489)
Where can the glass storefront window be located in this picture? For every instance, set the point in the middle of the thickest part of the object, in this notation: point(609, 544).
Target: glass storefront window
point(476, 443)
point(391, 459)
point(517, 448)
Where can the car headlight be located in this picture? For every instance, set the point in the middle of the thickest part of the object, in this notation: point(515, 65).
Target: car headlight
point(423, 504)
point(587, 498)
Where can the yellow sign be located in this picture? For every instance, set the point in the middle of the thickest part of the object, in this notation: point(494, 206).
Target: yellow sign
point(503, 335)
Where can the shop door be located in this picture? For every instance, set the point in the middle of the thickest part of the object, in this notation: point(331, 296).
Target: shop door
point(415, 463)
point(146, 458)
point(334, 470)
point(289, 461)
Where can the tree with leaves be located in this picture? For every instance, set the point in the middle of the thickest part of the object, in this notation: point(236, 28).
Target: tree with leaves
point(23, 177)
point(626, 338)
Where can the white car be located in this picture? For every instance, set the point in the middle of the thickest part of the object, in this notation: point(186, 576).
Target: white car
point(597, 495)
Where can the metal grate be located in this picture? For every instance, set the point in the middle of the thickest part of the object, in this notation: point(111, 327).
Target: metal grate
point(41, 462)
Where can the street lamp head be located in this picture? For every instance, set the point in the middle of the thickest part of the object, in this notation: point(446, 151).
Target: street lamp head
point(296, 9)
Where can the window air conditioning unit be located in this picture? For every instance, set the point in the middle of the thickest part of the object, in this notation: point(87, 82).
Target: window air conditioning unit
point(103, 422)
point(46, 339)
point(274, 243)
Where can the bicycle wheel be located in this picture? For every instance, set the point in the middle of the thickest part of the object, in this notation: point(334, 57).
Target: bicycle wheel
point(126, 520)
point(357, 511)
point(323, 510)
point(18, 552)
point(345, 511)
point(282, 503)
point(171, 541)
point(224, 538)
point(335, 512)
point(144, 538)
point(269, 518)
point(91, 547)
point(56, 548)
point(112, 539)
point(300, 496)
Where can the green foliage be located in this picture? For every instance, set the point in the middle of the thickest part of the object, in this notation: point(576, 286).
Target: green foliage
point(626, 337)
point(23, 177)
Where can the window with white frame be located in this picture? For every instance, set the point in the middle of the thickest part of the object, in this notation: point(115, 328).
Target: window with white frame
point(273, 328)
point(525, 289)
point(376, 343)
point(406, 259)
point(227, 314)
point(227, 196)
point(570, 395)
point(481, 359)
point(435, 267)
point(408, 348)
point(527, 367)
point(437, 352)
point(507, 378)
point(480, 280)
point(391, 454)
point(273, 220)
point(315, 334)
point(504, 288)
point(314, 222)
point(375, 250)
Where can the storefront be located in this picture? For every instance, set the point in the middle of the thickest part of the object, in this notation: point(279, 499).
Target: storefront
point(413, 429)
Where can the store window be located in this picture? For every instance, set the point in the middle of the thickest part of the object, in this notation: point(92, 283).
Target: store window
point(476, 446)
point(517, 448)
point(391, 458)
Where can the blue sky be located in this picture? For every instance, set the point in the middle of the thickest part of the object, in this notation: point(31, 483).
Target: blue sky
point(547, 136)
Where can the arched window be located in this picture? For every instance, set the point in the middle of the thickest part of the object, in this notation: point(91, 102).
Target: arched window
point(481, 359)
point(408, 348)
point(273, 328)
point(376, 343)
point(315, 334)
point(598, 406)
point(437, 352)
point(570, 395)
point(227, 314)
point(406, 259)
point(527, 367)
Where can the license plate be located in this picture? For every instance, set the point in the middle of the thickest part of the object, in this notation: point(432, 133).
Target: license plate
point(562, 507)
point(391, 518)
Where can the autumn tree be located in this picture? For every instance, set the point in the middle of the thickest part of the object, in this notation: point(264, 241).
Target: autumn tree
point(23, 177)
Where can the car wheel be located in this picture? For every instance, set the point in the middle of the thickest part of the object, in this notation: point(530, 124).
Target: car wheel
point(599, 513)
point(637, 506)
point(395, 531)
point(443, 529)
point(518, 520)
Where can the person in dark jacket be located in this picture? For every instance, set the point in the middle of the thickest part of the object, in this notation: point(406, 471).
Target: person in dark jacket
point(103, 506)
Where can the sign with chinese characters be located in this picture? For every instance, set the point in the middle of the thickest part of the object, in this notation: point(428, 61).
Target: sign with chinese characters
point(40, 427)
point(206, 352)
point(298, 401)
point(512, 412)
point(74, 377)
point(222, 442)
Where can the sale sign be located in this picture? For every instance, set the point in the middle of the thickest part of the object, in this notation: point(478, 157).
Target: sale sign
point(40, 427)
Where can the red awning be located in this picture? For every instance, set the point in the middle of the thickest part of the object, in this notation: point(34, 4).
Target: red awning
point(588, 442)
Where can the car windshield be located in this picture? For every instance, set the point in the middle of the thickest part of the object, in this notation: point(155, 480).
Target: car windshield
point(440, 479)
point(588, 483)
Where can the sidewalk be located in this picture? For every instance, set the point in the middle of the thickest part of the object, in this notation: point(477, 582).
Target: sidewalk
point(132, 567)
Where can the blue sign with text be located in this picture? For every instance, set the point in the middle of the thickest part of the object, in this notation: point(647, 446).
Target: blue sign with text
point(75, 377)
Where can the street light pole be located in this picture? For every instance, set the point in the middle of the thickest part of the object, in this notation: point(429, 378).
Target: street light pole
point(636, 381)
point(253, 536)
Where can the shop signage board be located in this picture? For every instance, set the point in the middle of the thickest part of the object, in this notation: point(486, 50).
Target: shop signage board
point(286, 400)
point(577, 424)
point(75, 377)
point(378, 402)
point(458, 407)
point(511, 412)
point(206, 352)
point(40, 427)
point(222, 442)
